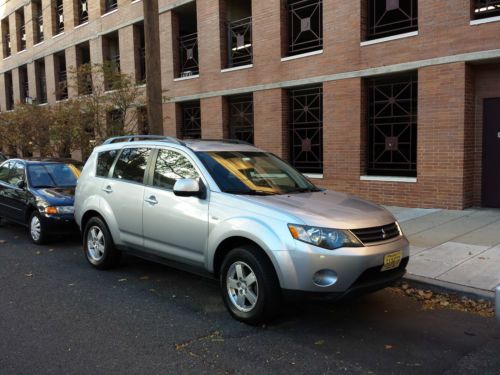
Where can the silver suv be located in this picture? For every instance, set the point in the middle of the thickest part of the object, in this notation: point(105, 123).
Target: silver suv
point(237, 213)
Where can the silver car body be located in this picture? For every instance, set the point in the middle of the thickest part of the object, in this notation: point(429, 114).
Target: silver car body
point(190, 230)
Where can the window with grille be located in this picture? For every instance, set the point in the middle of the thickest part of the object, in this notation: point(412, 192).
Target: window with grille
point(61, 77)
point(7, 48)
point(392, 125)
point(83, 11)
point(59, 17)
point(391, 17)
point(305, 26)
point(306, 128)
point(110, 5)
point(186, 52)
point(191, 120)
point(37, 21)
point(241, 117)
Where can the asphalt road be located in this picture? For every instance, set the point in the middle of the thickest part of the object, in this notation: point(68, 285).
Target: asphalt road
point(60, 316)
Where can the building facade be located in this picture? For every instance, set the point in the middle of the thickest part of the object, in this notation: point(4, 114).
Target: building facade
point(393, 100)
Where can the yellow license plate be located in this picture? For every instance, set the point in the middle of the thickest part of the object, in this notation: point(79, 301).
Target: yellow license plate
point(391, 261)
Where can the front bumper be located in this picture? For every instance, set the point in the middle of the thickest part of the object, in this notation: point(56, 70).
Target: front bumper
point(59, 223)
point(357, 269)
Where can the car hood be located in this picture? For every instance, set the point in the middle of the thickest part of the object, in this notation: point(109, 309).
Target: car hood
point(57, 196)
point(328, 209)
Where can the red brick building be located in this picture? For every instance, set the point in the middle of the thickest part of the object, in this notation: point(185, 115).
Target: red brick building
point(393, 100)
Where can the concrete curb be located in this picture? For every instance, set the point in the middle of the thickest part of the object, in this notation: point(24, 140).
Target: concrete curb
point(439, 286)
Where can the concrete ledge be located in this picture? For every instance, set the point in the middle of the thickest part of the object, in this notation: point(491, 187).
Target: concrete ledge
point(484, 20)
point(389, 38)
point(439, 286)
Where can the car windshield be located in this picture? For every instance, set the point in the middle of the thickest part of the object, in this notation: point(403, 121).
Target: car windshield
point(53, 175)
point(256, 173)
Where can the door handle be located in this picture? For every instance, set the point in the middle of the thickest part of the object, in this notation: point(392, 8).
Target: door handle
point(151, 200)
point(107, 189)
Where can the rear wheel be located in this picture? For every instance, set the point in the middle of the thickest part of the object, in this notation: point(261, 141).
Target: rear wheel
point(98, 245)
point(250, 288)
point(38, 233)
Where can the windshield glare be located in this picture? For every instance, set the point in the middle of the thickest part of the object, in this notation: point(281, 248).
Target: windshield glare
point(53, 175)
point(240, 172)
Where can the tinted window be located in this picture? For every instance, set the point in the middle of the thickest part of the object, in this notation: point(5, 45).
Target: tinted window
point(131, 164)
point(170, 167)
point(4, 172)
point(16, 173)
point(53, 175)
point(104, 162)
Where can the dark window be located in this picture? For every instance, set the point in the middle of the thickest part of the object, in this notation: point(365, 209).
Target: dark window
point(392, 125)
point(9, 90)
point(22, 30)
point(16, 173)
point(186, 40)
point(59, 16)
point(238, 31)
point(37, 21)
point(131, 164)
point(306, 129)
point(241, 117)
point(83, 11)
point(110, 5)
point(170, 167)
point(305, 26)
point(486, 8)
point(53, 175)
point(23, 82)
point(41, 82)
point(61, 77)
point(104, 162)
point(191, 120)
point(391, 17)
point(4, 171)
point(7, 48)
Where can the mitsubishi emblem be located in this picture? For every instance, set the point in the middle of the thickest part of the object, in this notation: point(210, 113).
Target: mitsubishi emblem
point(384, 235)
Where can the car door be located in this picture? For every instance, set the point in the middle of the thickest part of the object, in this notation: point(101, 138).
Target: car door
point(124, 193)
point(13, 198)
point(174, 227)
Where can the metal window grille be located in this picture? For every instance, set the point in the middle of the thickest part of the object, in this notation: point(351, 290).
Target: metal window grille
point(191, 120)
point(240, 42)
point(306, 129)
point(189, 54)
point(111, 5)
point(83, 11)
point(305, 26)
point(59, 11)
point(391, 17)
point(39, 27)
point(241, 117)
point(22, 30)
point(486, 8)
point(392, 125)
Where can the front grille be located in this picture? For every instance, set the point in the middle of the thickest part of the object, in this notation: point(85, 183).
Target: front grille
point(377, 234)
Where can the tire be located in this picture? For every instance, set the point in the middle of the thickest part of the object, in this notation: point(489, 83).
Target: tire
point(36, 228)
point(250, 299)
point(98, 245)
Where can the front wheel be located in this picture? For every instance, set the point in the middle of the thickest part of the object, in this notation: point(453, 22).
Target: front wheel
point(98, 245)
point(38, 233)
point(250, 287)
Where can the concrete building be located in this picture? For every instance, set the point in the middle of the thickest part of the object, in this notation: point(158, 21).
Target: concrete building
point(397, 101)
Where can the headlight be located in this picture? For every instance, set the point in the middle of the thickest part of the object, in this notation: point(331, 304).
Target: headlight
point(54, 210)
point(323, 237)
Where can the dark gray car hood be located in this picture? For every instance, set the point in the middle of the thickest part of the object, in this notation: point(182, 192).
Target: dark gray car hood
point(328, 209)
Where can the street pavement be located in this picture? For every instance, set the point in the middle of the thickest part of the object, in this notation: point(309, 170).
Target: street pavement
point(458, 250)
point(60, 316)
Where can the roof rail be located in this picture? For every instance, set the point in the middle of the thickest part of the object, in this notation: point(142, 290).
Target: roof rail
point(135, 138)
point(235, 141)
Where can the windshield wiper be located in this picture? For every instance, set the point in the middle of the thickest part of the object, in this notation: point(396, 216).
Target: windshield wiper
point(249, 192)
point(305, 190)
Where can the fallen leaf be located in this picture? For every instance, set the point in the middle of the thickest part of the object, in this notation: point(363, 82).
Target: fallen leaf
point(122, 280)
point(28, 274)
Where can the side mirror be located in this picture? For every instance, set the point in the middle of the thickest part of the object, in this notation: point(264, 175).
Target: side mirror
point(21, 184)
point(497, 303)
point(188, 187)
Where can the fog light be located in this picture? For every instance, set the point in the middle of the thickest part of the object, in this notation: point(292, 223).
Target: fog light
point(325, 278)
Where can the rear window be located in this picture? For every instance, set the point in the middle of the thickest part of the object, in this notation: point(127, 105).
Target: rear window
point(104, 162)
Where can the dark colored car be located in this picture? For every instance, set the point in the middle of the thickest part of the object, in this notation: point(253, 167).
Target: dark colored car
point(39, 194)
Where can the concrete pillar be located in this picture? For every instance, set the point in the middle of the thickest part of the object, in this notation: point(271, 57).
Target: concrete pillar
point(213, 118)
point(70, 14)
point(48, 18)
point(71, 65)
point(16, 85)
point(3, 98)
point(30, 25)
point(50, 76)
point(270, 116)
point(13, 31)
point(32, 86)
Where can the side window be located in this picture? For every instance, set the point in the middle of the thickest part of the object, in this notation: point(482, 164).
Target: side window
point(104, 162)
point(4, 172)
point(131, 164)
point(16, 173)
point(170, 167)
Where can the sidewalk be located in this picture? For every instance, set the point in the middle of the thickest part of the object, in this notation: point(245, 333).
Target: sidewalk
point(457, 250)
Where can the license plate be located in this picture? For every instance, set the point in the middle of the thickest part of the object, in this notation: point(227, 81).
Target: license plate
point(391, 261)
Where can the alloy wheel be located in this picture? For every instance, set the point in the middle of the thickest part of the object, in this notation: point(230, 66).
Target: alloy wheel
point(96, 243)
point(35, 228)
point(242, 286)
